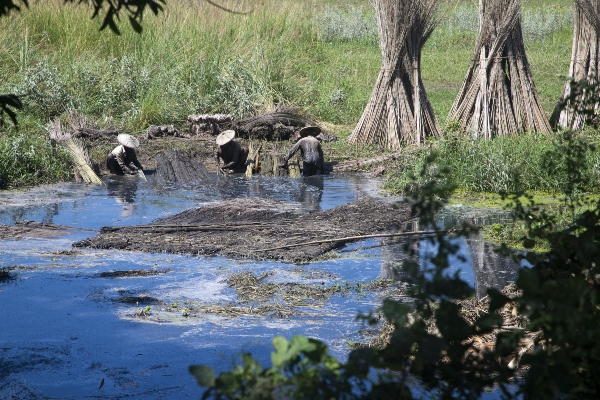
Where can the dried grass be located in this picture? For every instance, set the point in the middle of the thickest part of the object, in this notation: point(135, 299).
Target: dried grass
point(498, 96)
point(75, 146)
point(585, 64)
point(398, 111)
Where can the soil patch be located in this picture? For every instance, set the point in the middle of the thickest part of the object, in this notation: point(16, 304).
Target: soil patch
point(255, 228)
point(31, 229)
point(133, 273)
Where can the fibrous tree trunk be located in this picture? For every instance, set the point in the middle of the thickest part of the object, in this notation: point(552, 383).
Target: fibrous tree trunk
point(585, 63)
point(398, 111)
point(498, 96)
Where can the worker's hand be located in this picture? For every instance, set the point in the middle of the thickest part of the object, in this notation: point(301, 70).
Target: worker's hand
point(131, 172)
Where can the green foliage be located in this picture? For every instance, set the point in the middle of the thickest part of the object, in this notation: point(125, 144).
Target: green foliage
point(537, 23)
point(353, 23)
point(301, 369)
point(7, 103)
point(507, 164)
point(559, 297)
point(6, 6)
point(26, 161)
point(112, 11)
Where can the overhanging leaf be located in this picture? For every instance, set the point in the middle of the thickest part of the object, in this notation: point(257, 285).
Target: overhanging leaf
point(205, 376)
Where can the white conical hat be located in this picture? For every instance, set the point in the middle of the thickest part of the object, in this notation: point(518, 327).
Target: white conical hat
point(225, 137)
point(128, 140)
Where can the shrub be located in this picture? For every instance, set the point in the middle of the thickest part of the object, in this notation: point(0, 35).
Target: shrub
point(504, 164)
point(353, 23)
point(26, 161)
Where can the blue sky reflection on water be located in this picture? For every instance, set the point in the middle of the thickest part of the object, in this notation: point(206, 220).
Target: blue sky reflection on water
point(64, 326)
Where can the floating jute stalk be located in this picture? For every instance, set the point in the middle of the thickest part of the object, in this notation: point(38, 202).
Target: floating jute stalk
point(398, 111)
point(584, 66)
point(498, 96)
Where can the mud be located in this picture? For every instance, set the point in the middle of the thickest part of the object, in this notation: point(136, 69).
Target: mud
point(135, 273)
point(31, 229)
point(253, 228)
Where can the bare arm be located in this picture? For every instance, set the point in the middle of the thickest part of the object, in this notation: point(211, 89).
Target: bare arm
point(135, 160)
point(321, 160)
point(292, 151)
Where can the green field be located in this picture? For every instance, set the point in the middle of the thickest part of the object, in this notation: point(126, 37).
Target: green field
point(195, 58)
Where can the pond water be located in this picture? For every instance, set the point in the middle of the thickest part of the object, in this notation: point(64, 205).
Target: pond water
point(65, 331)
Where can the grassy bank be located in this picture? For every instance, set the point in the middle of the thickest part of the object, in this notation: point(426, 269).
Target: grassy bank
point(320, 56)
point(528, 162)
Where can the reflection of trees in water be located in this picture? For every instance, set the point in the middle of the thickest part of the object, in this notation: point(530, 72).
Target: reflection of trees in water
point(310, 192)
point(400, 259)
point(47, 212)
point(400, 255)
point(124, 190)
point(50, 211)
point(491, 270)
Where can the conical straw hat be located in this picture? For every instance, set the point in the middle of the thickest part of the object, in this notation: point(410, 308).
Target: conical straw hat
point(225, 137)
point(128, 140)
point(309, 131)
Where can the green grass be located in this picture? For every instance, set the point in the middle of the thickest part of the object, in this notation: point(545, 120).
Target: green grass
point(526, 162)
point(320, 56)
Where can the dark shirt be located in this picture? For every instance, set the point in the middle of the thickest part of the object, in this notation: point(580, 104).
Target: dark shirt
point(232, 155)
point(311, 152)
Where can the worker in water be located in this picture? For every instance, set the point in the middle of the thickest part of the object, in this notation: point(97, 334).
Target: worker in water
point(310, 147)
point(120, 160)
point(234, 156)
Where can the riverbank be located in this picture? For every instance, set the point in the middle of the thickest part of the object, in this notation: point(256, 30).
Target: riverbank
point(320, 57)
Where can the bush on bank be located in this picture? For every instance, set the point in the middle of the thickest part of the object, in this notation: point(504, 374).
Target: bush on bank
point(433, 351)
point(505, 164)
point(29, 161)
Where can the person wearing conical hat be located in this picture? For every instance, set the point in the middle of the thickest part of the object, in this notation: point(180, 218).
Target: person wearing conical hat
point(234, 156)
point(310, 148)
point(120, 160)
